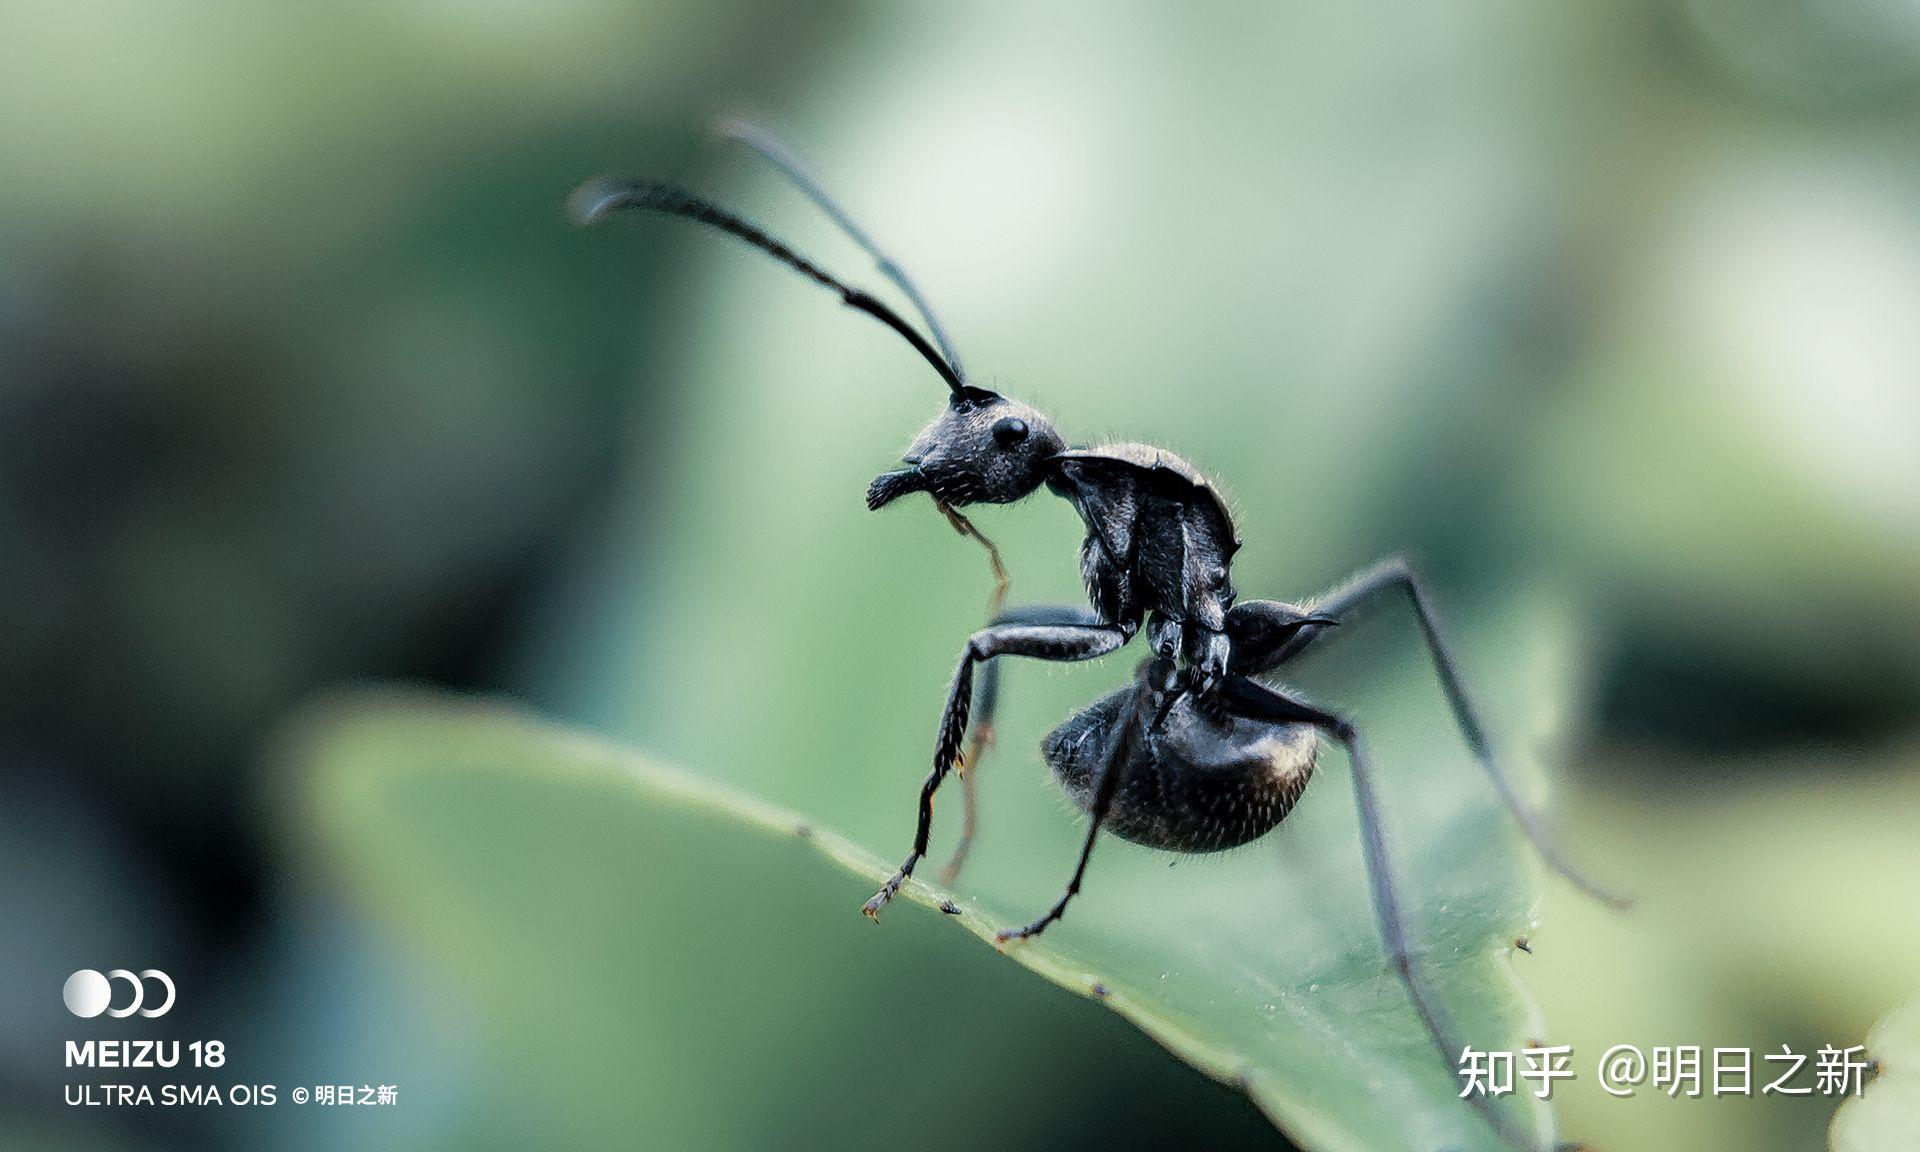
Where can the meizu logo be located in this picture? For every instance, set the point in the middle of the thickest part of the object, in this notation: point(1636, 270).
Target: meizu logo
point(89, 993)
point(123, 1054)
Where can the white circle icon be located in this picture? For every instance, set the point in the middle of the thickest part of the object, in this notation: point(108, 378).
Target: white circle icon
point(87, 993)
point(156, 974)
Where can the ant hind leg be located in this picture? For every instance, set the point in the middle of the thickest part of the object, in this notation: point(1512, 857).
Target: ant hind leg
point(1257, 701)
point(1273, 633)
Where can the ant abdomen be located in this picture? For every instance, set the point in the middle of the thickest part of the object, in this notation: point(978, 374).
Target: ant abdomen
point(1198, 784)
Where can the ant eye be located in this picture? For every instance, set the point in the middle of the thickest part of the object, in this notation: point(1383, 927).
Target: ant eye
point(1009, 430)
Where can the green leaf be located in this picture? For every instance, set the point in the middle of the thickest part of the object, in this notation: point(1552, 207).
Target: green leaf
point(1886, 1116)
point(476, 828)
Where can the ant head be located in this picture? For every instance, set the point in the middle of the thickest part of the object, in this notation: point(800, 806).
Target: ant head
point(983, 449)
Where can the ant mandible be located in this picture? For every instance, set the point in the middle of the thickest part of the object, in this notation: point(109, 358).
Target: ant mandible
point(1197, 754)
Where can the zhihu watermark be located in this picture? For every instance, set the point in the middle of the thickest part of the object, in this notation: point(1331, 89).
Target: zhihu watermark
point(1678, 1070)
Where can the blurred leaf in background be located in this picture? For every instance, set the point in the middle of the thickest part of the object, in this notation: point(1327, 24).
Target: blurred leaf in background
point(299, 380)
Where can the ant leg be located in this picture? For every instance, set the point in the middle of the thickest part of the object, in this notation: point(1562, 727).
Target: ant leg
point(997, 599)
point(1257, 701)
point(1265, 634)
point(986, 702)
point(982, 737)
point(1110, 775)
point(1064, 640)
point(1388, 576)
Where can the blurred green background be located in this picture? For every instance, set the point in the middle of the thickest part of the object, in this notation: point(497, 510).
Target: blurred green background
point(304, 380)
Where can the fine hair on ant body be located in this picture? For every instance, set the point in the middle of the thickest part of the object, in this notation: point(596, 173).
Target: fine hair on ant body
point(1198, 753)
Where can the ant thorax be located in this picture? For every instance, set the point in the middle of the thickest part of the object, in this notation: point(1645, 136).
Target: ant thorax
point(1159, 538)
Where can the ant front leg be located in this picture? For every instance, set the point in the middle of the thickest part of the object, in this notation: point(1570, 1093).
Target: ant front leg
point(1257, 701)
point(986, 702)
point(982, 737)
point(1063, 640)
point(997, 599)
point(1267, 633)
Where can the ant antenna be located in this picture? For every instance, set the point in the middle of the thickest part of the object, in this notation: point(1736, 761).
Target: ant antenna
point(777, 154)
point(595, 200)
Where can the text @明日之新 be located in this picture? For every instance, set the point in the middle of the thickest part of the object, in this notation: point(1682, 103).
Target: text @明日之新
point(1688, 1070)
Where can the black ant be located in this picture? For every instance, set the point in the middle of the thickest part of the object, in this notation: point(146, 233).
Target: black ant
point(1195, 755)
